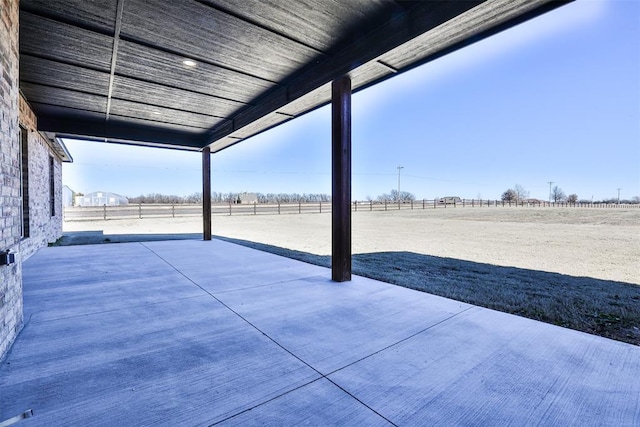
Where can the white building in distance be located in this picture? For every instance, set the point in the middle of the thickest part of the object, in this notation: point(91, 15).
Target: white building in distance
point(101, 198)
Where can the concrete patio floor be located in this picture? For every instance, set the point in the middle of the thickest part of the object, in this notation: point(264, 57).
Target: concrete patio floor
point(199, 333)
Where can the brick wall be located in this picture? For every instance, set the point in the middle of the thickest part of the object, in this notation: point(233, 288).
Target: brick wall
point(43, 165)
point(43, 227)
point(10, 200)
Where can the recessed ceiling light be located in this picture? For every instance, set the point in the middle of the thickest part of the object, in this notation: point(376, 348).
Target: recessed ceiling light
point(189, 63)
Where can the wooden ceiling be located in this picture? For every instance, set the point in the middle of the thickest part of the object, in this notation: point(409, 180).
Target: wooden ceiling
point(115, 70)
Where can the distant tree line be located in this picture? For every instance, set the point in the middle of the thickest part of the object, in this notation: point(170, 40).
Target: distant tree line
point(166, 199)
point(518, 193)
point(515, 194)
point(292, 198)
point(394, 196)
point(230, 197)
point(613, 200)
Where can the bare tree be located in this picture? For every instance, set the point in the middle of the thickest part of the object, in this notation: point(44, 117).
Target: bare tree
point(521, 193)
point(403, 196)
point(572, 198)
point(557, 194)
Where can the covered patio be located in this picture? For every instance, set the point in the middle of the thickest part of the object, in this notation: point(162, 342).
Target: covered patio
point(199, 332)
point(204, 75)
point(205, 332)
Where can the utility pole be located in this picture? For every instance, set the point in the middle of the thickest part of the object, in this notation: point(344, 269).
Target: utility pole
point(399, 169)
point(619, 195)
point(550, 184)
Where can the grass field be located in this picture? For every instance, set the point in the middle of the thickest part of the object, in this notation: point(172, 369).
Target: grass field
point(578, 268)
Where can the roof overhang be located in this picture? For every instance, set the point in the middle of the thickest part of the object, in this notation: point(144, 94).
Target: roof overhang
point(116, 71)
point(58, 147)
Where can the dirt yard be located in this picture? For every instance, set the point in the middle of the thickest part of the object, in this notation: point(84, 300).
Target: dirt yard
point(574, 267)
point(597, 243)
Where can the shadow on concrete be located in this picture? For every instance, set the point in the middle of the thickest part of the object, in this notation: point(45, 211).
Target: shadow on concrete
point(602, 307)
point(97, 236)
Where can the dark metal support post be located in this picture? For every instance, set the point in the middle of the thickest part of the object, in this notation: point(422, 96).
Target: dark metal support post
point(341, 179)
point(206, 193)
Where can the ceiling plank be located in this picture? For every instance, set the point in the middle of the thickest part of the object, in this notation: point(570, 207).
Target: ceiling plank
point(97, 14)
point(168, 97)
point(55, 40)
point(266, 122)
point(162, 116)
point(54, 96)
point(314, 23)
point(50, 73)
point(237, 45)
point(148, 64)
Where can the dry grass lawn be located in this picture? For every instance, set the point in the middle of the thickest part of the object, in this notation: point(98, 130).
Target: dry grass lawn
point(578, 268)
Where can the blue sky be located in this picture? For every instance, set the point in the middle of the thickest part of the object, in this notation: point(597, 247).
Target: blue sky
point(554, 99)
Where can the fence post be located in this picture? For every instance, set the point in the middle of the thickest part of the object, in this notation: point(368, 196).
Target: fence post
point(355, 203)
point(104, 213)
point(385, 204)
point(254, 208)
point(299, 207)
point(278, 208)
point(411, 204)
point(473, 203)
point(173, 211)
point(370, 205)
point(320, 206)
point(398, 203)
point(463, 202)
point(139, 210)
point(229, 207)
point(434, 203)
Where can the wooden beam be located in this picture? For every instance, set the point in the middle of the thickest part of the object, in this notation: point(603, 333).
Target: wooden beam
point(341, 179)
point(404, 22)
point(92, 125)
point(206, 193)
